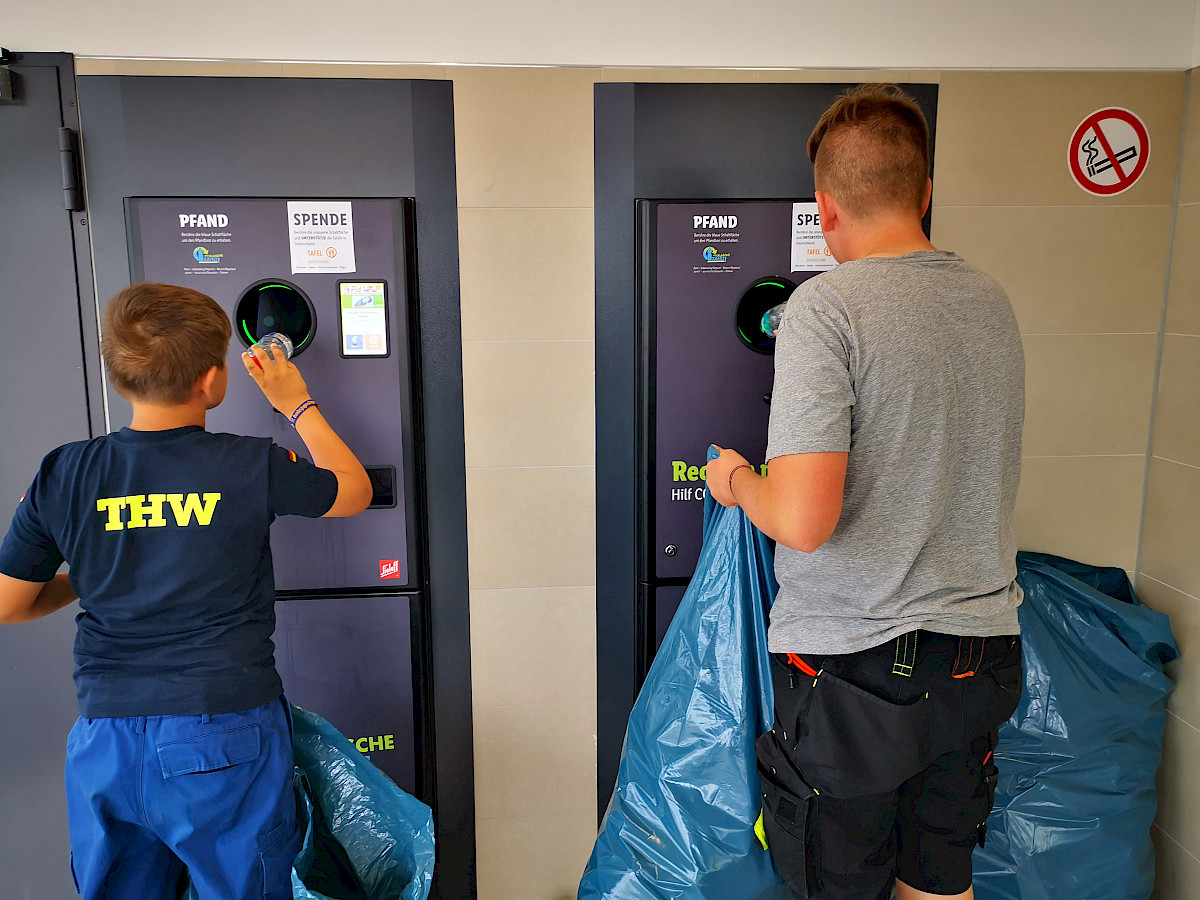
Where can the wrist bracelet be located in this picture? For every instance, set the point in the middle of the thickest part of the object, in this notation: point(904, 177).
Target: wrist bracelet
point(733, 471)
point(301, 410)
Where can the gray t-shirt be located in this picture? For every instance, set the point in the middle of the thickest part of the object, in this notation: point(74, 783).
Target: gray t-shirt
point(914, 365)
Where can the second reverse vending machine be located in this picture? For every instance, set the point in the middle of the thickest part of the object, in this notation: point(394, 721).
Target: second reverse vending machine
point(708, 273)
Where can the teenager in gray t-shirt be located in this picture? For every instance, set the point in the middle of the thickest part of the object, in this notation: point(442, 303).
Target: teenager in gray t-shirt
point(893, 460)
point(914, 366)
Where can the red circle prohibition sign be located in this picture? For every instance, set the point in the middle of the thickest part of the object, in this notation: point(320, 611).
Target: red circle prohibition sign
point(1103, 144)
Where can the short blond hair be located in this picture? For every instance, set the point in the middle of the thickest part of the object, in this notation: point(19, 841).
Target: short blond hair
point(870, 151)
point(158, 339)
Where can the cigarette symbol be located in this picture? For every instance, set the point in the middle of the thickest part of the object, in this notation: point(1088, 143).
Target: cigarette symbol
point(1102, 164)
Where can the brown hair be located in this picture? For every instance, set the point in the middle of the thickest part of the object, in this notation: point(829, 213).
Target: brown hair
point(159, 339)
point(870, 150)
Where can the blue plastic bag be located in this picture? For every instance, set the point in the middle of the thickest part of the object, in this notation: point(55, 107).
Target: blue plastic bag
point(387, 834)
point(365, 836)
point(680, 824)
point(1076, 795)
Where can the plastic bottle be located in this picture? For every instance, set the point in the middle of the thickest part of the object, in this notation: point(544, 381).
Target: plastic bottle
point(772, 317)
point(276, 342)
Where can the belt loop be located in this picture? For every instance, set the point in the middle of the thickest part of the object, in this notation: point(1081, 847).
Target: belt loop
point(139, 725)
point(906, 655)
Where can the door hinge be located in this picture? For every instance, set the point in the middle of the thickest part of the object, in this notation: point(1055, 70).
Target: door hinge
point(68, 154)
point(6, 76)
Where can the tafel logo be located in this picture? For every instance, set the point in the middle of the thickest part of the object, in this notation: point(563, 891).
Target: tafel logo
point(389, 568)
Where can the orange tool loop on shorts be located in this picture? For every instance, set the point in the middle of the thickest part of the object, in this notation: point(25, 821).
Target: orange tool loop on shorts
point(801, 665)
point(970, 652)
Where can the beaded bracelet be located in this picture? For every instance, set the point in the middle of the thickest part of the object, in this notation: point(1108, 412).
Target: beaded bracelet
point(301, 410)
point(732, 472)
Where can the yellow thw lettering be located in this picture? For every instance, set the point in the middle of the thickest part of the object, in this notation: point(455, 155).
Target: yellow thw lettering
point(112, 506)
point(142, 505)
point(186, 507)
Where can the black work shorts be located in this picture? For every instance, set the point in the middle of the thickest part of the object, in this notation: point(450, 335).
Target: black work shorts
point(880, 763)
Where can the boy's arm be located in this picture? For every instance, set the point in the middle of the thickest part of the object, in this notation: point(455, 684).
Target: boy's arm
point(284, 387)
point(24, 601)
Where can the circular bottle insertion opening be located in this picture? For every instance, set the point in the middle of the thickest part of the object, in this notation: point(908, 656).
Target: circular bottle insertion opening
point(764, 294)
point(275, 305)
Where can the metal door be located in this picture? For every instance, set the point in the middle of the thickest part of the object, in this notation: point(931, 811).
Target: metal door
point(46, 308)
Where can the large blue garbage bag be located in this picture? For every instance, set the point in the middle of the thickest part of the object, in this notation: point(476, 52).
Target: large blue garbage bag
point(366, 838)
point(680, 824)
point(385, 833)
point(1075, 797)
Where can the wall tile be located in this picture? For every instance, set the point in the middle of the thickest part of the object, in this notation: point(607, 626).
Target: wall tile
point(533, 761)
point(531, 527)
point(1184, 612)
point(528, 403)
point(1066, 269)
point(326, 70)
point(847, 76)
point(1177, 406)
point(251, 69)
point(534, 859)
point(1002, 136)
point(1183, 304)
point(1189, 187)
point(1176, 872)
point(523, 137)
point(202, 67)
point(678, 76)
point(1172, 528)
point(1088, 394)
point(1179, 784)
point(527, 274)
point(1084, 508)
point(533, 646)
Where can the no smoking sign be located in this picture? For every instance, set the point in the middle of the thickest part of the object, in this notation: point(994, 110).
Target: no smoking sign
point(1109, 151)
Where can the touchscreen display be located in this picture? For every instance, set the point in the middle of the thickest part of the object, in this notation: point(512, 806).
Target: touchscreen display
point(364, 323)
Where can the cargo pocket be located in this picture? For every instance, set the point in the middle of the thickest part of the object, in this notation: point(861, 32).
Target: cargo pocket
point(789, 818)
point(277, 850)
point(854, 743)
point(1008, 674)
point(989, 776)
point(209, 752)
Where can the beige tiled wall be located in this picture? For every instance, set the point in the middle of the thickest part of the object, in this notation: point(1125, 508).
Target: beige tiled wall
point(1086, 279)
point(1169, 573)
point(1086, 276)
point(524, 147)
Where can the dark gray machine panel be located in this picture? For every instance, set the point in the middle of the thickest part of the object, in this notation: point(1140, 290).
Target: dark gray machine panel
point(686, 143)
point(347, 659)
point(271, 140)
point(227, 248)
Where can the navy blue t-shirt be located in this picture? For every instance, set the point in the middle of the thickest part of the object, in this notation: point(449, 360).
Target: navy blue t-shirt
point(165, 533)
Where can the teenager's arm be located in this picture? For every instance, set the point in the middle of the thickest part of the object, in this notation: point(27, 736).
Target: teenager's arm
point(24, 601)
point(798, 502)
point(285, 389)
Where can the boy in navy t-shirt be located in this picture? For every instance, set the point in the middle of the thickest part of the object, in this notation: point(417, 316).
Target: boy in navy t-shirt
point(182, 755)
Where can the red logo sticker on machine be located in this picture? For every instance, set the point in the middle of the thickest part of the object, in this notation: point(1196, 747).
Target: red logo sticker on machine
point(1109, 151)
point(389, 568)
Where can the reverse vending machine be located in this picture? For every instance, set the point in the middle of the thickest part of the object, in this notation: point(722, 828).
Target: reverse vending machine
point(334, 276)
point(708, 273)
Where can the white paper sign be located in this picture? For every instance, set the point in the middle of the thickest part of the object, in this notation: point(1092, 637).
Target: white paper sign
point(321, 233)
point(810, 253)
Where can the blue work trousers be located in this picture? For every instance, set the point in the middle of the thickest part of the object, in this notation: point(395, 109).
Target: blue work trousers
point(150, 795)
